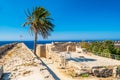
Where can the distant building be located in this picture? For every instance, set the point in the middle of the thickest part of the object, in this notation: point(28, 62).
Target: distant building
point(117, 43)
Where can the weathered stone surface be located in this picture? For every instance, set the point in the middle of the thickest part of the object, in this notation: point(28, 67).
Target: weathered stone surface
point(21, 62)
point(102, 72)
point(77, 68)
point(41, 50)
point(53, 51)
point(1, 71)
point(115, 71)
point(6, 47)
point(61, 47)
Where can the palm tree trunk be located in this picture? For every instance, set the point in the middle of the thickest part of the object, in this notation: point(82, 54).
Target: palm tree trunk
point(35, 43)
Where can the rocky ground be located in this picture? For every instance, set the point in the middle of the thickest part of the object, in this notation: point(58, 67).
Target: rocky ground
point(92, 60)
point(20, 64)
point(62, 75)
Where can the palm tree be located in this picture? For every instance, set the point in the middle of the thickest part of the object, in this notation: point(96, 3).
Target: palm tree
point(40, 23)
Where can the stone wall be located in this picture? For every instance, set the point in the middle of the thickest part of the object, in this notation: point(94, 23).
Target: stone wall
point(3, 49)
point(49, 50)
point(6, 47)
point(29, 50)
point(46, 75)
point(52, 51)
point(62, 46)
point(41, 50)
point(20, 61)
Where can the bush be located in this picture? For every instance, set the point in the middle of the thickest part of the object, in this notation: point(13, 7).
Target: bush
point(117, 57)
point(84, 75)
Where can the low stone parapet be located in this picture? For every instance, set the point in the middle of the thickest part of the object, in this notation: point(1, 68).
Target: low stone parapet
point(6, 47)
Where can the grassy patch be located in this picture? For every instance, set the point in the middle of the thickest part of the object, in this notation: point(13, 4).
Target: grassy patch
point(84, 75)
point(119, 69)
point(9, 54)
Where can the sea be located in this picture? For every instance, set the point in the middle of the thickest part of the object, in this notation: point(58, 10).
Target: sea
point(30, 44)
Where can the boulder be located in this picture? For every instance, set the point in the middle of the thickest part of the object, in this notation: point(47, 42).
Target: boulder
point(102, 72)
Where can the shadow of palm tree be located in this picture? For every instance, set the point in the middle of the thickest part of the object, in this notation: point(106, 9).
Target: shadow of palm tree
point(51, 72)
point(81, 59)
point(6, 76)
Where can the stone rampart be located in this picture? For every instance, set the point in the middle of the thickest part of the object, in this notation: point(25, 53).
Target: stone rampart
point(6, 47)
point(3, 49)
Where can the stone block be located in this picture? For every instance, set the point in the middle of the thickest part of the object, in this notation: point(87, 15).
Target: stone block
point(41, 51)
point(102, 72)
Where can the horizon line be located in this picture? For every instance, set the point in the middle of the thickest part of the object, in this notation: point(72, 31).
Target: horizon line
point(64, 40)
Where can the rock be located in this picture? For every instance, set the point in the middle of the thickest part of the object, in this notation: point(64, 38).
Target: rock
point(115, 71)
point(82, 71)
point(43, 68)
point(37, 61)
point(95, 72)
point(102, 72)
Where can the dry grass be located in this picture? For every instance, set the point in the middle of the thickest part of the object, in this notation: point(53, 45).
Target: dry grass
point(29, 64)
point(26, 72)
point(10, 54)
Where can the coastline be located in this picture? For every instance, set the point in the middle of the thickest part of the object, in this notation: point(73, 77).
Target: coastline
point(30, 43)
point(18, 54)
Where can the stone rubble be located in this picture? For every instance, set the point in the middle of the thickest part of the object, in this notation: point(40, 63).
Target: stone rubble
point(62, 53)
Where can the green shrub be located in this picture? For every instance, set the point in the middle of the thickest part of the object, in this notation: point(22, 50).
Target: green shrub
point(117, 57)
point(84, 75)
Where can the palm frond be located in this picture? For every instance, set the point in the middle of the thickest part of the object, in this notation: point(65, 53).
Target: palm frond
point(26, 23)
point(39, 21)
point(49, 18)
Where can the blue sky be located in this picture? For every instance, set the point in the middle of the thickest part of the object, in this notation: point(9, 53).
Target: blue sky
point(73, 19)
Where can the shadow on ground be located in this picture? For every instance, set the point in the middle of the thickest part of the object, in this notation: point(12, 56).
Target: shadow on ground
point(6, 76)
point(81, 59)
point(51, 72)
